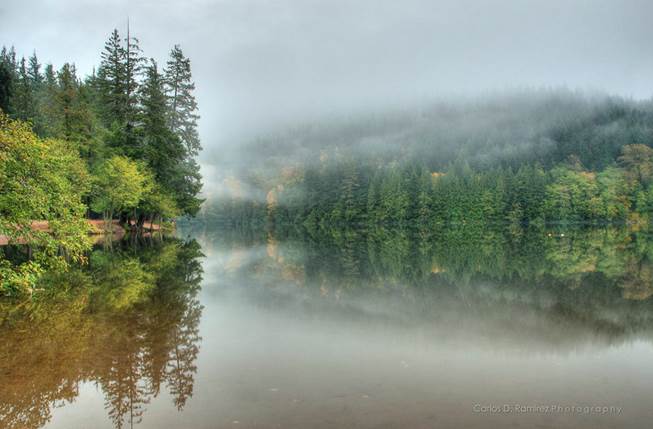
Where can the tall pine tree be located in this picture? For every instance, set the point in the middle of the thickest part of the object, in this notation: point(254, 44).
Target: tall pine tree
point(24, 103)
point(181, 101)
point(182, 120)
point(111, 81)
point(117, 83)
point(7, 78)
point(163, 150)
point(133, 62)
point(34, 71)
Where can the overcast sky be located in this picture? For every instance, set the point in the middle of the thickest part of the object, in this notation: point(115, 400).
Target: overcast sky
point(260, 61)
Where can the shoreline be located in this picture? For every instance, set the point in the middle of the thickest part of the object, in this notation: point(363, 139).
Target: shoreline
point(96, 230)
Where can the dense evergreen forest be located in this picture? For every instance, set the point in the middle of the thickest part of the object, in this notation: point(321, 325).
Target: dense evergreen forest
point(532, 157)
point(119, 143)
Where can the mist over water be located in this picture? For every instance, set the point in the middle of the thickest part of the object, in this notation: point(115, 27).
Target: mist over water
point(417, 214)
point(265, 330)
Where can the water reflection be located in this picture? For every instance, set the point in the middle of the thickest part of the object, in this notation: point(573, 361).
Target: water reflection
point(129, 323)
point(384, 328)
point(397, 328)
point(557, 289)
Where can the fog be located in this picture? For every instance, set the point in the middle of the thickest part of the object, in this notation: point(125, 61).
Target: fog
point(258, 64)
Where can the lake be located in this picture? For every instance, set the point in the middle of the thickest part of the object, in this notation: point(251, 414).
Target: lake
point(341, 329)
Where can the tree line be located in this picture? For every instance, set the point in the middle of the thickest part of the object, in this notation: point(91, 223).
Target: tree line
point(516, 163)
point(346, 191)
point(119, 143)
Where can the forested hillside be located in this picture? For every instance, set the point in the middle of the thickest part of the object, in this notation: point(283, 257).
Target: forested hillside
point(528, 157)
point(119, 143)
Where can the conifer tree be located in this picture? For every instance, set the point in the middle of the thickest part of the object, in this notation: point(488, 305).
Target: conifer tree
point(181, 101)
point(6, 83)
point(49, 76)
point(133, 66)
point(7, 78)
point(374, 197)
point(111, 81)
point(76, 119)
point(174, 169)
point(423, 200)
point(48, 110)
point(67, 98)
point(182, 121)
point(23, 104)
point(187, 185)
point(162, 148)
point(34, 71)
point(35, 78)
point(117, 83)
point(349, 191)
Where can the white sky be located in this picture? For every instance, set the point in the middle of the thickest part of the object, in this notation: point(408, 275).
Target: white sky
point(258, 62)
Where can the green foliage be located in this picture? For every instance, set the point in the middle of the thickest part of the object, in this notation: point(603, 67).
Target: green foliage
point(344, 190)
point(119, 184)
point(132, 127)
point(122, 281)
point(179, 87)
point(571, 195)
point(158, 203)
point(393, 196)
point(111, 81)
point(126, 109)
point(40, 180)
point(637, 159)
point(19, 280)
point(6, 83)
point(614, 193)
point(165, 152)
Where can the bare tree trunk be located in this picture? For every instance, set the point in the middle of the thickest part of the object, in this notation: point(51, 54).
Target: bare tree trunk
point(141, 221)
point(107, 215)
point(124, 220)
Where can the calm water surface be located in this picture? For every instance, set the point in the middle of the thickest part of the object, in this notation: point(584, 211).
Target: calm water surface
point(345, 330)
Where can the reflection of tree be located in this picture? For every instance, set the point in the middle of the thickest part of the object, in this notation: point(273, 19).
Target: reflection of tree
point(181, 359)
point(119, 367)
point(42, 356)
point(586, 281)
point(130, 322)
point(181, 344)
point(29, 385)
point(545, 291)
point(638, 281)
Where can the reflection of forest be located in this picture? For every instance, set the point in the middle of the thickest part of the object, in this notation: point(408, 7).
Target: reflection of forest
point(128, 322)
point(383, 257)
point(562, 288)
